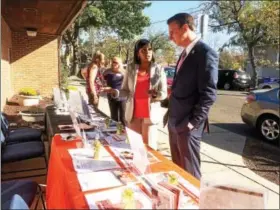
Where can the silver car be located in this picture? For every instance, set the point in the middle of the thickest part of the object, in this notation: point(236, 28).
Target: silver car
point(268, 85)
point(261, 110)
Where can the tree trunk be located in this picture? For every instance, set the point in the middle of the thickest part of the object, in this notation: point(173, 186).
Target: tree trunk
point(127, 56)
point(253, 64)
point(75, 68)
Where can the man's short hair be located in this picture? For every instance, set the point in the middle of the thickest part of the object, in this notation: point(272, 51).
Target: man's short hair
point(181, 19)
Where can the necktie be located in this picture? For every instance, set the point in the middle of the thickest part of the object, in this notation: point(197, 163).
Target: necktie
point(182, 58)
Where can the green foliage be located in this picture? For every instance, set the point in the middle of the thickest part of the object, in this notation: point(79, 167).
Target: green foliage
point(27, 91)
point(231, 60)
point(64, 74)
point(70, 87)
point(254, 23)
point(164, 49)
point(123, 18)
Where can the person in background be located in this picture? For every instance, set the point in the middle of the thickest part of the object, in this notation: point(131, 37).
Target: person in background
point(144, 86)
point(94, 78)
point(114, 78)
point(193, 92)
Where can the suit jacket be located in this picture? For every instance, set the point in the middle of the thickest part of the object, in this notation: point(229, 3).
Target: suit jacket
point(157, 81)
point(194, 88)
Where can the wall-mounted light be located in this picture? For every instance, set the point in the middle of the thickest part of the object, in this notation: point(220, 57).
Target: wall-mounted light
point(31, 32)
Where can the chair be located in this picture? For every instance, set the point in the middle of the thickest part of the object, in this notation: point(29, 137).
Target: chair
point(22, 151)
point(19, 134)
point(17, 203)
point(20, 194)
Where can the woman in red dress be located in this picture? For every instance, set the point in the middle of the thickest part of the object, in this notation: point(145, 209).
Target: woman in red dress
point(144, 85)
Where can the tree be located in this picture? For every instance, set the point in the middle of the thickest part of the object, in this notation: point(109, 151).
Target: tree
point(230, 59)
point(163, 48)
point(254, 22)
point(124, 18)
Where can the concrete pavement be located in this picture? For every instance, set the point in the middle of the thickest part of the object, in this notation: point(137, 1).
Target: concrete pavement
point(221, 156)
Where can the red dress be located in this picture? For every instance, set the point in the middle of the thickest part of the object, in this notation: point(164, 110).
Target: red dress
point(141, 97)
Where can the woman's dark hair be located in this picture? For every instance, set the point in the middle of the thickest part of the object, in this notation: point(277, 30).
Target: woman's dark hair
point(138, 45)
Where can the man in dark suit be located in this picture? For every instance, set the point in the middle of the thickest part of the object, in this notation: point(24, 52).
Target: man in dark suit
point(192, 94)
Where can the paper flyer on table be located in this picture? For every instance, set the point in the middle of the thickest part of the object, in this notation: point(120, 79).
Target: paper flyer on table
point(83, 161)
point(118, 144)
point(126, 154)
point(128, 197)
point(114, 178)
point(190, 193)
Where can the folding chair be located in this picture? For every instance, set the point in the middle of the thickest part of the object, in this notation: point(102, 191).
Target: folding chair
point(19, 134)
point(20, 194)
point(22, 151)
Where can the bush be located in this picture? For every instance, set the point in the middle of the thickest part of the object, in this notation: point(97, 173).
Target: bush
point(28, 92)
point(69, 87)
point(64, 74)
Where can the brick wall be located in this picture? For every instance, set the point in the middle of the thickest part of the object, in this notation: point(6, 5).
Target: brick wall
point(6, 44)
point(34, 62)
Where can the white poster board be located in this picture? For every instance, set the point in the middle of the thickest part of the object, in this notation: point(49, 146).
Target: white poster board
point(75, 122)
point(75, 101)
point(140, 156)
point(57, 97)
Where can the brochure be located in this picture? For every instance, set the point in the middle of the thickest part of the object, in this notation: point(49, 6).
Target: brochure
point(83, 161)
point(114, 178)
point(188, 198)
point(128, 197)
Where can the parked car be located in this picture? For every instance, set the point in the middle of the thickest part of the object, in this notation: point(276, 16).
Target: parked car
point(261, 110)
point(269, 85)
point(233, 79)
point(169, 71)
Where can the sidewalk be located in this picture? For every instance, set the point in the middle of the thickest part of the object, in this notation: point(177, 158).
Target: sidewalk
point(222, 163)
point(221, 166)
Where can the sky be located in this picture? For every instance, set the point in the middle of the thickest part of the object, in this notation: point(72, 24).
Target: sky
point(160, 11)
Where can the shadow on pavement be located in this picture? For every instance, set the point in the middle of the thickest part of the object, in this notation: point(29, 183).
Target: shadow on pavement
point(259, 156)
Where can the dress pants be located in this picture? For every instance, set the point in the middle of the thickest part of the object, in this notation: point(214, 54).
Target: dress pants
point(148, 131)
point(185, 149)
point(117, 109)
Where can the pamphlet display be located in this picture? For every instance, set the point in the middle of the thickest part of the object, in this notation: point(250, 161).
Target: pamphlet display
point(121, 160)
point(128, 197)
point(186, 196)
point(84, 162)
point(114, 178)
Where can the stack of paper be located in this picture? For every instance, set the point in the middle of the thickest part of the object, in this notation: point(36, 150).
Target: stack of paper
point(83, 161)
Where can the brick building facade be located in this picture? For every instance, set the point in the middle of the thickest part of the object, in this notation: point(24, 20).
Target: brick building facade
point(33, 61)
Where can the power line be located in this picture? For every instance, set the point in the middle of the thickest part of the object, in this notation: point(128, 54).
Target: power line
point(196, 10)
point(160, 21)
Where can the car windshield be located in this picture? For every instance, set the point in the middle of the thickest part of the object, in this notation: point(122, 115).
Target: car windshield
point(169, 72)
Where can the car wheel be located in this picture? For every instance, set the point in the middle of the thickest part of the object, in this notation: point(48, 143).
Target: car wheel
point(227, 86)
point(269, 128)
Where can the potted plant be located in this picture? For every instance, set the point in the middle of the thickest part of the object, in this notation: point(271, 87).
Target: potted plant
point(67, 90)
point(29, 96)
point(33, 114)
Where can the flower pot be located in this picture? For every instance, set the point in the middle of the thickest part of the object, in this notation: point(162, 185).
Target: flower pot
point(29, 116)
point(29, 100)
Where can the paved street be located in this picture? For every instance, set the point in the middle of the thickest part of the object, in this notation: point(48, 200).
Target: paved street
point(232, 153)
